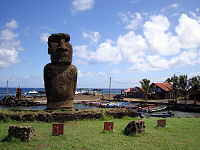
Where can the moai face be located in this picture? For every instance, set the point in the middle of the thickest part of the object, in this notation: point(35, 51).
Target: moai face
point(59, 48)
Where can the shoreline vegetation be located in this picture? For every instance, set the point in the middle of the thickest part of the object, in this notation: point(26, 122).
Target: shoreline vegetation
point(179, 133)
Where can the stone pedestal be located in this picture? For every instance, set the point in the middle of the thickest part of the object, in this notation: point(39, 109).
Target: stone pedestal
point(60, 76)
point(134, 127)
point(161, 123)
point(25, 134)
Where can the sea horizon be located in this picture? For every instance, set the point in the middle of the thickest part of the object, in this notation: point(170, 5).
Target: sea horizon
point(12, 90)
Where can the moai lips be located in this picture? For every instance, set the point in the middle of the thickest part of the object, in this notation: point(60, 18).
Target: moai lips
point(60, 77)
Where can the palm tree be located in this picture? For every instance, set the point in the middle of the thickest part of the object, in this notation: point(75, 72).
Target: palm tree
point(145, 84)
point(183, 85)
point(175, 81)
point(194, 84)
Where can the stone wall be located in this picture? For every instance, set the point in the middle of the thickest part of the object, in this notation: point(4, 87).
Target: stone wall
point(67, 116)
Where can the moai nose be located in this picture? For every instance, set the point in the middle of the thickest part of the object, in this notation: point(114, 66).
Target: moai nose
point(61, 44)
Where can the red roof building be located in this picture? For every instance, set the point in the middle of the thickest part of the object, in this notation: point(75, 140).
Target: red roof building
point(161, 90)
point(135, 92)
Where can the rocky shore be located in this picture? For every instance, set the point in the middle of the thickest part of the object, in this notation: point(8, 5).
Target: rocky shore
point(13, 101)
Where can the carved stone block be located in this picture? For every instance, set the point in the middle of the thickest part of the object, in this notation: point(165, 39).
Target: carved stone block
point(60, 76)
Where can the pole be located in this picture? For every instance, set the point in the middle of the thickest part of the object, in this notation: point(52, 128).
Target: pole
point(109, 87)
point(7, 89)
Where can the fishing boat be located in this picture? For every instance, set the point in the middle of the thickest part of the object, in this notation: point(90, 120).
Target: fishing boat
point(95, 103)
point(163, 115)
point(112, 105)
point(130, 106)
point(157, 108)
point(103, 105)
point(145, 109)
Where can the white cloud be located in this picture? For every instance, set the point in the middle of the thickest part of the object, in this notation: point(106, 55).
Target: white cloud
point(188, 31)
point(131, 20)
point(174, 6)
point(87, 74)
point(157, 49)
point(157, 62)
point(82, 5)
point(12, 24)
point(189, 57)
point(160, 41)
point(44, 37)
point(106, 53)
point(197, 9)
point(93, 36)
point(8, 57)
point(141, 67)
point(81, 51)
point(132, 47)
point(8, 35)
point(9, 45)
point(90, 74)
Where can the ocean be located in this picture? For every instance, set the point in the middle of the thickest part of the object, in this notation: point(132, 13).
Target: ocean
point(12, 91)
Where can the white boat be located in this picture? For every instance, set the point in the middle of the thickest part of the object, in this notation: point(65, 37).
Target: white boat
point(77, 92)
point(33, 92)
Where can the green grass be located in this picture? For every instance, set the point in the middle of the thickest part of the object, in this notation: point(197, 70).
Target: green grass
point(180, 133)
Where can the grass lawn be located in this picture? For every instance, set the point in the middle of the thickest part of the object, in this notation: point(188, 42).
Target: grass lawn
point(180, 133)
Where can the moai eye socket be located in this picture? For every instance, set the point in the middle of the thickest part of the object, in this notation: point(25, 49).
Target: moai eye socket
point(55, 40)
point(66, 40)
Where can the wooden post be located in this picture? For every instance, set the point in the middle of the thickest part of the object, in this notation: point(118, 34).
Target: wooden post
point(7, 89)
point(109, 87)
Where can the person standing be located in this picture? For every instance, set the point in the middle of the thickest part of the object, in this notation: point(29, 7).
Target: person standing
point(19, 92)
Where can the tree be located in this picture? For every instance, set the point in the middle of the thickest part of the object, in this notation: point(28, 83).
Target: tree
point(174, 80)
point(183, 85)
point(145, 84)
point(194, 84)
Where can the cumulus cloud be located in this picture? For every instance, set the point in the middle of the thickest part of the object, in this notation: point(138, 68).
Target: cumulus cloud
point(157, 48)
point(93, 36)
point(9, 45)
point(81, 51)
point(82, 5)
point(132, 21)
point(106, 52)
point(44, 37)
point(8, 57)
point(188, 32)
point(160, 40)
point(12, 24)
point(8, 35)
point(132, 47)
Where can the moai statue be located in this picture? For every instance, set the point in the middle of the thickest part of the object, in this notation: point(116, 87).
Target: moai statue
point(60, 76)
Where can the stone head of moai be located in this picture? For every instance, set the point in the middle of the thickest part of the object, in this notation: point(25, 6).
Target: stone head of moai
point(59, 48)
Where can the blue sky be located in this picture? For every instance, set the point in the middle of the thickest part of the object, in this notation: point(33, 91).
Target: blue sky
point(127, 40)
